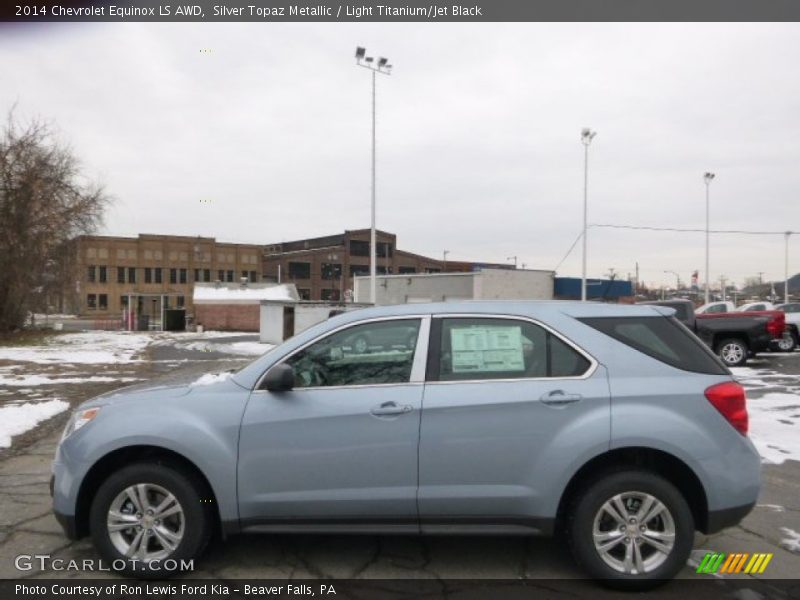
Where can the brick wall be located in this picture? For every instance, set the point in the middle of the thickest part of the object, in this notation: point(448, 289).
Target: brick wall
point(228, 317)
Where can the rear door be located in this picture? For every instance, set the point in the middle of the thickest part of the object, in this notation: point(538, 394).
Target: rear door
point(510, 407)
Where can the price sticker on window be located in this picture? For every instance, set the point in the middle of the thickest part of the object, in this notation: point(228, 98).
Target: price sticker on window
point(487, 349)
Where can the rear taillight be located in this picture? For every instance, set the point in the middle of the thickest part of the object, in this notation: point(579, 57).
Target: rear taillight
point(776, 325)
point(729, 399)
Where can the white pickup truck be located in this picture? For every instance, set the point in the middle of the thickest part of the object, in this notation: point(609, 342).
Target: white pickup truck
point(791, 338)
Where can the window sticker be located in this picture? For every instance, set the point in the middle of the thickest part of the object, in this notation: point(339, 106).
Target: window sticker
point(487, 349)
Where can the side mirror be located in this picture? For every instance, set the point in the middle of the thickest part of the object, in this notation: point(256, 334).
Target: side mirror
point(279, 378)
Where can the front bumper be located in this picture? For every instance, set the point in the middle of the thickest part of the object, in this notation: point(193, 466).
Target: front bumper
point(68, 524)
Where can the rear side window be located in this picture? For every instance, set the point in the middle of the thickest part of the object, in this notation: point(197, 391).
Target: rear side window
point(662, 338)
point(465, 349)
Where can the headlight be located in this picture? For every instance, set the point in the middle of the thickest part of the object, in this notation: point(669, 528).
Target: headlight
point(78, 419)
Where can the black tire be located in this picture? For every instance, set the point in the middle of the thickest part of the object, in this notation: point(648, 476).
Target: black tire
point(190, 494)
point(732, 351)
point(787, 343)
point(587, 506)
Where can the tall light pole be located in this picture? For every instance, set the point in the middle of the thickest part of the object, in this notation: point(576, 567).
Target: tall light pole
point(444, 262)
point(382, 67)
point(515, 260)
point(587, 135)
point(707, 178)
point(786, 267)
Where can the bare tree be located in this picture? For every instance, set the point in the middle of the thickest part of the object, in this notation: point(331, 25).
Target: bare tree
point(45, 202)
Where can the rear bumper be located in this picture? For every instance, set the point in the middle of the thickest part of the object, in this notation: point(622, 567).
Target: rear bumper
point(727, 517)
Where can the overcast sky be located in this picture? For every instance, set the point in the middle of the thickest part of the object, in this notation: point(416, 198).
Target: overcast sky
point(479, 126)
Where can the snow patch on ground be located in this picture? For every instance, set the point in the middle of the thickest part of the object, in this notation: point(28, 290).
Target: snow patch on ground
point(15, 420)
point(792, 543)
point(772, 507)
point(240, 348)
point(42, 380)
point(775, 426)
point(210, 378)
point(87, 347)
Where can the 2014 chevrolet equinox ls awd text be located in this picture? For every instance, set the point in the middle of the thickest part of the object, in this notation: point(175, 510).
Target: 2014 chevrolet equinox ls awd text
point(613, 425)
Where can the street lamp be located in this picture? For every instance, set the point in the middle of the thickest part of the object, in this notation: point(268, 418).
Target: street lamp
point(444, 265)
point(587, 135)
point(515, 260)
point(707, 178)
point(382, 66)
point(786, 267)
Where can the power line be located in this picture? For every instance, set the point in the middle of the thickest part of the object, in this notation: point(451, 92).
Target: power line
point(685, 230)
point(571, 248)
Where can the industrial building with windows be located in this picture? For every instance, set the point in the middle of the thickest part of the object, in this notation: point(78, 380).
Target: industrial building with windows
point(324, 268)
point(152, 272)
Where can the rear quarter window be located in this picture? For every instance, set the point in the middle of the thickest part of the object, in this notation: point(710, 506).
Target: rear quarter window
point(662, 338)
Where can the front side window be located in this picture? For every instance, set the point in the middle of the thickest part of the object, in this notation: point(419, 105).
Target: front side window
point(485, 348)
point(368, 354)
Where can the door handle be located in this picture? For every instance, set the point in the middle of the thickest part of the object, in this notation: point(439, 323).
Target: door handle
point(390, 409)
point(560, 398)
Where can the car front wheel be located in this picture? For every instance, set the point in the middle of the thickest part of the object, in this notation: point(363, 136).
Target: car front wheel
point(147, 518)
point(631, 530)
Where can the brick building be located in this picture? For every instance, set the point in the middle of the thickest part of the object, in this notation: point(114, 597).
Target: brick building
point(323, 268)
point(149, 269)
point(236, 307)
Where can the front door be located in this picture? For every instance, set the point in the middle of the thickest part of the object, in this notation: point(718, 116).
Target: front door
point(341, 447)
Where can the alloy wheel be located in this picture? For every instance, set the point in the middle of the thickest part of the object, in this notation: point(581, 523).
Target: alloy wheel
point(732, 353)
point(145, 522)
point(634, 533)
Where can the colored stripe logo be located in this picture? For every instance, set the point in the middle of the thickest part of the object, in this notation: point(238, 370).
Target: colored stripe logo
point(737, 562)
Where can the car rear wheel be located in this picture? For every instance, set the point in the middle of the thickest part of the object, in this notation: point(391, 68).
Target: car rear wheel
point(631, 530)
point(787, 343)
point(148, 517)
point(732, 351)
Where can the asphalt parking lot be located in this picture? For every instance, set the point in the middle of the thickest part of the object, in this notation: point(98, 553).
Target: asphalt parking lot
point(28, 527)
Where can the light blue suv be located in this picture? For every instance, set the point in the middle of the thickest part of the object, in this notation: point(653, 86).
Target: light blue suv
point(613, 425)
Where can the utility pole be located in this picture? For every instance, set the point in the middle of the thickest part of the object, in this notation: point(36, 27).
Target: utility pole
point(786, 267)
point(722, 286)
point(707, 178)
point(515, 260)
point(444, 262)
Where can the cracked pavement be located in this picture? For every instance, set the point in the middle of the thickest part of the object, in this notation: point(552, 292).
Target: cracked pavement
point(27, 525)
